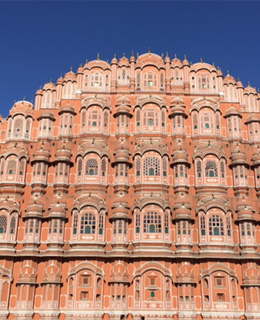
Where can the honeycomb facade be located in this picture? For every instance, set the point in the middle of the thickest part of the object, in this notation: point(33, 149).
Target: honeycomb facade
point(131, 190)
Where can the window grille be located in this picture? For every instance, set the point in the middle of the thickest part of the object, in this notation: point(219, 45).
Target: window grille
point(165, 167)
point(100, 223)
point(75, 223)
point(96, 80)
point(83, 119)
point(91, 167)
point(166, 222)
point(216, 226)
point(151, 166)
point(138, 117)
point(228, 226)
point(195, 120)
point(211, 169)
point(152, 222)
point(137, 223)
point(88, 224)
point(3, 224)
point(106, 117)
point(222, 169)
point(202, 226)
point(138, 166)
point(199, 169)
point(103, 168)
point(79, 167)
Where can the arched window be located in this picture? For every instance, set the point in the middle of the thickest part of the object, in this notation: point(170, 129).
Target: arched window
point(97, 80)
point(106, 120)
point(75, 223)
point(202, 226)
point(137, 223)
point(3, 224)
point(11, 167)
point(79, 167)
point(199, 169)
point(100, 224)
point(203, 82)
point(83, 119)
point(211, 169)
point(12, 225)
point(138, 167)
point(18, 128)
point(151, 118)
point(91, 167)
point(151, 166)
point(222, 169)
point(152, 222)
point(103, 167)
point(138, 117)
point(216, 226)
point(88, 224)
point(150, 80)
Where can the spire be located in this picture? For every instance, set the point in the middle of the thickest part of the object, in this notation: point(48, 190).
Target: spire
point(201, 60)
point(98, 56)
point(71, 69)
point(132, 53)
point(149, 50)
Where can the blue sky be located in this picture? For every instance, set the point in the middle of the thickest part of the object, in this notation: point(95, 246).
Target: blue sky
point(40, 40)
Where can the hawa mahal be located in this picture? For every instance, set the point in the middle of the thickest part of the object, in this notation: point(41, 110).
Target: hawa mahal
point(130, 190)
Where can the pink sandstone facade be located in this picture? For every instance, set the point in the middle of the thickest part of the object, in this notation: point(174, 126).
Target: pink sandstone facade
point(130, 190)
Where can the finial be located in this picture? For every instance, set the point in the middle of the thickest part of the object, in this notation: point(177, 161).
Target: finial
point(81, 65)
point(249, 85)
point(98, 56)
point(124, 55)
point(191, 63)
point(149, 50)
point(61, 75)
point(213, 64)
point(132, 53)
point(14, 101)
point(137, 54)
point(23, 98)
point(162, 56)
point(107, 61)
point(201, 60)
point(51, 80)
point(86, 60)
point(167, 54)
point(185, 57)
point(71, 69)
point(115, 55)
point(228, 72)
point(175, 56)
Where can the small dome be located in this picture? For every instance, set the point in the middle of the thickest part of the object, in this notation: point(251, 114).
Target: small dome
point(80, 69)
point(167, 59)
point(123, 61)
point(123, 100)
point(41, 154)
point(182, 208)
point(185, 61)
point(63, 153)
point(34, 208)
point(229, 79)
point(177, 101)
point(49, 86)
point(70, 76)
point(47, 114)
point(120, 208)
point(60, 80)
point(114, 60)
point(219, 73)
point(232, 111)
point(176, 62)
point(68, 108)
point(39, 92)
point(24, 107)
point(249, 90)
point(252, 118)
point(256, 156)
point(238, 155)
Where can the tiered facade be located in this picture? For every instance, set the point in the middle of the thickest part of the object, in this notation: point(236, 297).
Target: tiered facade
point(131, 190)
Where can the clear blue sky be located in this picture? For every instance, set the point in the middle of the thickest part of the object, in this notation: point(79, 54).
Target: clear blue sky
point(40, 40)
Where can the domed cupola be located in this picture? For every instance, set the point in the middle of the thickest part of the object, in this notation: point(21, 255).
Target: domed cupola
point(70, 76)
point(41, 154)
point(63, 153)
point(123, 114)
point(122, 153)
point(34, 208)
point(176, 62)
point(178, 116)
point(238, 156)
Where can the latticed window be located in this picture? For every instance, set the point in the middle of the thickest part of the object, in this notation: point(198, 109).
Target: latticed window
point(138, 80)
point(165, 167)
point(217, 121)
point(75, 223)
point(161, 80)
point(83, 118)
point(3, 224)
point(91, 167)
point(79, 167)
point(243, 229)
point(12, 225)
point(88, 224)
point(228, 226)
point(211, 169)
point(216, 226)
point(28, 125)
point(100, 223)
point(222, 169)
point(94, 118)
point(150, 80)
point(2, 166)
point(96, 80)
point(18, 128)
point(152, 222)
point(138, 117)
point(166, 222)
point(21, 167)
point(138, 167)
point(202, 226)
point(103, 167)
point(199, 169)
point(151, 166)
point(195, 120)
point(204, 82)
point(163, 118)
point(11, 168)
point(150, 117)
point(106, 118)
point(207, 119)
point(137, 223)
point(249, 229)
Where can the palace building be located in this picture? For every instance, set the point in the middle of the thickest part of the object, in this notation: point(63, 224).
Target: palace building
point(130, 190)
